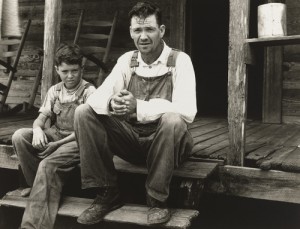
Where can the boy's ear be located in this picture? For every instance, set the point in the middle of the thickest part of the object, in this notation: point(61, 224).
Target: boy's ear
point(56, 68)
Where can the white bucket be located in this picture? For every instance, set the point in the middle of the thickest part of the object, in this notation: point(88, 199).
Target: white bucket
point(271, 20)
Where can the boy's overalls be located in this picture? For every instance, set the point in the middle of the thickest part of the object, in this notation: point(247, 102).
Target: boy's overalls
point(47, 176)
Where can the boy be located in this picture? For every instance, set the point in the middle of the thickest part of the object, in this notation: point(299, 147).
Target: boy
point(48, 155)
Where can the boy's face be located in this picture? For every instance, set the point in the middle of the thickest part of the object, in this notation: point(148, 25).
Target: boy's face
point(69, 74)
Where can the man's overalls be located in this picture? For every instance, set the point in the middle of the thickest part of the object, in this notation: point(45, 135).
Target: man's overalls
point(162, 144)
point(47, 176)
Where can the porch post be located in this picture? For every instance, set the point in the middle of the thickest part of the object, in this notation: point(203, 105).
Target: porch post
point(237, 80)
point(177, 23)
point(51, 40)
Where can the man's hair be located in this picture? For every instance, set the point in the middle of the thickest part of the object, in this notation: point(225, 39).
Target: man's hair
point(145, 9)
point(68, 54)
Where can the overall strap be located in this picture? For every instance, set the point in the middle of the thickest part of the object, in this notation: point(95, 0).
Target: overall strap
point(173, 57)
point(134, 62)
point(59, 86)
point(81, 89)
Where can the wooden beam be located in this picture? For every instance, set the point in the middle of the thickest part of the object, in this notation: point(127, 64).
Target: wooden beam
point(256, 183)
point(272, 87)
point(177, 23)
point(52, 20)
point(237, 80)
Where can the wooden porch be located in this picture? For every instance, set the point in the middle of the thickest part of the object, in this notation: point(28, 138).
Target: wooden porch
point(268, 146)
point(272, 158)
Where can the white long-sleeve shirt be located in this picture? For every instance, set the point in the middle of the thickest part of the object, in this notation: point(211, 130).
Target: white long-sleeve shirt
point(184, 87)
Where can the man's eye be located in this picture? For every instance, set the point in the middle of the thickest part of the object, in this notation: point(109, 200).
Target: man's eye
point(74, 71)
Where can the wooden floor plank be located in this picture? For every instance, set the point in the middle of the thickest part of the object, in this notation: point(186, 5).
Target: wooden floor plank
point(264, 135)
point(207, 128)
point(291, 163)
point(262, 152)
point(295, 139)
point(285, 133)
point(209, 135)
point(202, 122)
point(274, 160)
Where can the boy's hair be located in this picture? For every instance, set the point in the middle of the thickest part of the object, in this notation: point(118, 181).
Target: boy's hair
point(145, 9)
point(68, 54)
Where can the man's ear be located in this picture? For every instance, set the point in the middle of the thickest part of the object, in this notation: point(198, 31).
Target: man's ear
point(130, 30)
point(162, 29)
point(56, 69)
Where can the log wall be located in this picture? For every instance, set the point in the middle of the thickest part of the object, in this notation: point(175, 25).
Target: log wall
point(291, 74)
point(95, 9)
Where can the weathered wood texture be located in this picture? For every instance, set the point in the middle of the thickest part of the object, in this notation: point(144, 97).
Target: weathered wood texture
point(291, 85)
point(258, 184)
point(133, 214)
point(272, 87)
point(237, 80)
point(53, 11)
point(95, 10)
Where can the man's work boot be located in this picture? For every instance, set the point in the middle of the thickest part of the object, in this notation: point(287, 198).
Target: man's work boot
point(107, 200)
point(158, 212)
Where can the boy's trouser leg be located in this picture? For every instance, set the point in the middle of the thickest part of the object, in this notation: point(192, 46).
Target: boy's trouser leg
point(172, 143)
point(99, 137)
point(27, 154)
point(43, 203)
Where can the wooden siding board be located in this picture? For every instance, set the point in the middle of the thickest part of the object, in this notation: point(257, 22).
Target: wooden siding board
point(272, 92)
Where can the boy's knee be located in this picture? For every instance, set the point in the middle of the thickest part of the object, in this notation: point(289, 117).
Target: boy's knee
point(45, 166)
point(18, 135)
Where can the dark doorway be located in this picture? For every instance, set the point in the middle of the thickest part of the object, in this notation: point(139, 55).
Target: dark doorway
point(207, 37)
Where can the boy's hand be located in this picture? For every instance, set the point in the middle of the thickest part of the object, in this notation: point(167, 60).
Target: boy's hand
point(51, 147)
point(39, 139)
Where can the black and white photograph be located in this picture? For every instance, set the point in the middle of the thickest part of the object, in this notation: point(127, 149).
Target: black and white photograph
point(137, 114)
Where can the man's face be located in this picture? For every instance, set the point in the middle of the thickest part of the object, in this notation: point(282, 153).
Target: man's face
point(146, 33)
point(69, 74)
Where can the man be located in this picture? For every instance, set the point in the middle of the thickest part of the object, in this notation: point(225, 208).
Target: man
point(48, 155)
point(139, 113)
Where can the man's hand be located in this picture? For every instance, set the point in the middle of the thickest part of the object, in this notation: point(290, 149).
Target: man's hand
point(130, 101)
point(51, 147)
point(39, 139)
point(123, 103)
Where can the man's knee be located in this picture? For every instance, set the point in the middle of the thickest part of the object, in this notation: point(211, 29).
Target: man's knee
point(82, 110)
point(172, 120)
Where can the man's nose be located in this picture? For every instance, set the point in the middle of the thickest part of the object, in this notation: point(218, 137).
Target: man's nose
point(143, 35)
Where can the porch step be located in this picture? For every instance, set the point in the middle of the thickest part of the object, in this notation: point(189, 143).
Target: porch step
point(189, 169)
point(129, 214)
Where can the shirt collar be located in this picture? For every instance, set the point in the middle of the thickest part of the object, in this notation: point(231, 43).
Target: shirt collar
point(163, 58)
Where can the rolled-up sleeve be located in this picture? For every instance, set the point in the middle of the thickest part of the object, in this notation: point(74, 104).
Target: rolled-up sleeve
point(114, 82)
point(46, 107)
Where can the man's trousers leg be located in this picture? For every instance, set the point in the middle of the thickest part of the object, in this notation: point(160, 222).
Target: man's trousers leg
point(99, 138)
point(172, 143)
